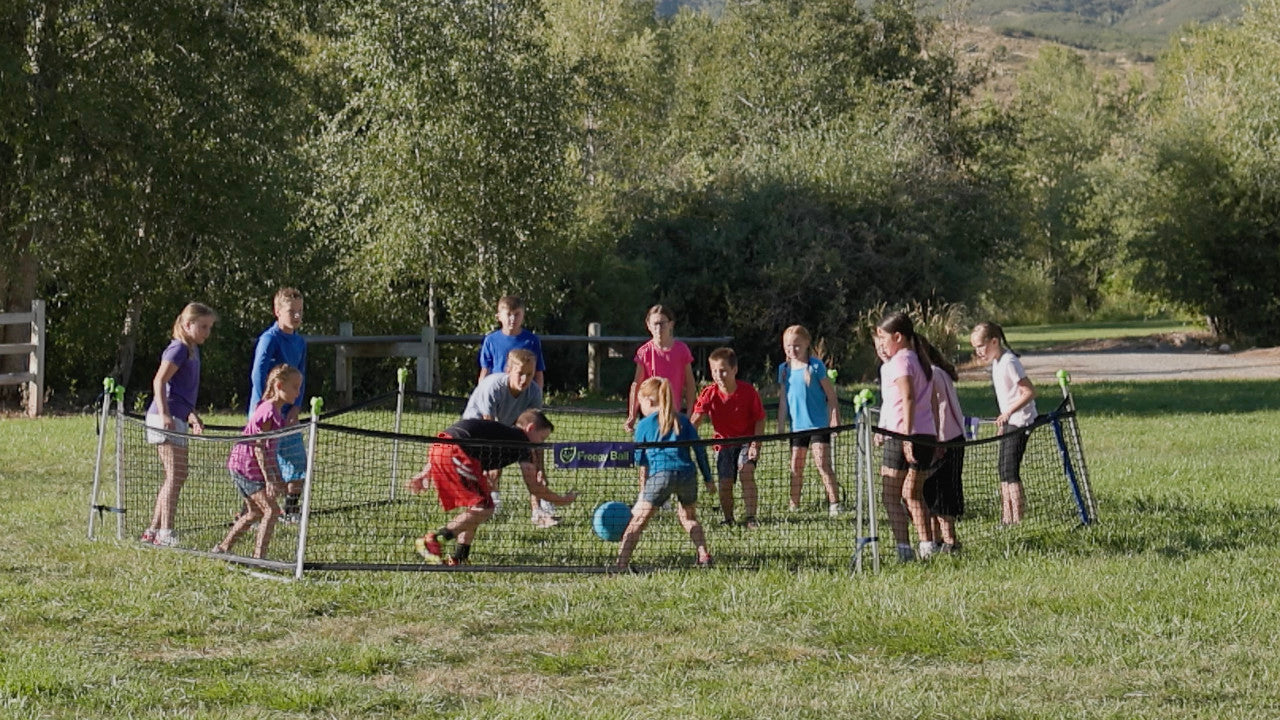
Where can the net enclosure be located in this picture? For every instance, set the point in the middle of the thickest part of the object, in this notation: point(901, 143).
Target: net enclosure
point(354, 512)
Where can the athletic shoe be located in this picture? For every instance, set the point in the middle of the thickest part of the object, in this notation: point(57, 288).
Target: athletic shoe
point(453, 562)
point(793, 508)
point(751, 524)
point(727, 523)
point(542, 519)
point(166, 538)
point(834, 509)
point(950, 548)
point(906, 554)
point(148, 536)
point(291, 518)
point(704, 563)
point(927, 549)
point(218, 550)
point(429, 548)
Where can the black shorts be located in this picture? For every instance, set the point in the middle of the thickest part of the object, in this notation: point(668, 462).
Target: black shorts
point(944, 490)
point(729, 459)
point(922, 445)
point(1013, 445)
point(802, 441)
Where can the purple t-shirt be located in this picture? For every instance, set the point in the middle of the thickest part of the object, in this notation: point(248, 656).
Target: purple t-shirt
point(243, 462)
point(183, 386)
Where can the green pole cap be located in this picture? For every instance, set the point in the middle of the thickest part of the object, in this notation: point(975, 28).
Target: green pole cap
point(1064, 378)
point(402, 375)
point(316, 404)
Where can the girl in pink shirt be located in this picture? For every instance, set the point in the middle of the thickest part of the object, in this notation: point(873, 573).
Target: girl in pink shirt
point(664, 357)
point(253, 464)
point(907, 410)
point(944, 490)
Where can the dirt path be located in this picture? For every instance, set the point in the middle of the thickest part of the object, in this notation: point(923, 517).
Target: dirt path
point(1143, 364)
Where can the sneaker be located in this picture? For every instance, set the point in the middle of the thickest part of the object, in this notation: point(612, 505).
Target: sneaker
point(927, 549)
point(751, 524)
point(429, 548)
point(453, 562)
point(727, 523)
point(166, 538)
point(292, 518)
point(704, 563)
point(148, 536)
point(543, 520)
point(950, 548)
point(906, 554)
point(218, 550)
point(834, 509)
point(547, 507)
point(793, 508)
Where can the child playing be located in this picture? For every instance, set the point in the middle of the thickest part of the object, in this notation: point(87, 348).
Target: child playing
point(1016, 396)
point(665, 471)
point(735, 410)
point(497, 345)
point(281, 344)
point(663, 357)
point(504, 396)
point(944, 489)
point(255, 466)
point(173, 408)
point(459, 471)
point(907, 410)
point(807, 398)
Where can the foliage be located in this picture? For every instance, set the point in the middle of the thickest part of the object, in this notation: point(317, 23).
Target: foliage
point(443, 175)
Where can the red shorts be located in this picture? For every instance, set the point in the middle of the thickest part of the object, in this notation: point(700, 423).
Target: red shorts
point(459, 479)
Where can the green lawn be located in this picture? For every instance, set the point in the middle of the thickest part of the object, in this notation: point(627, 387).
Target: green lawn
point(1039, 337)
point(1168, 609)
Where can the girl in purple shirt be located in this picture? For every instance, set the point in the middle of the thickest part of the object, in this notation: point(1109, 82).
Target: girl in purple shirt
point(173, 410)
point(254, 466)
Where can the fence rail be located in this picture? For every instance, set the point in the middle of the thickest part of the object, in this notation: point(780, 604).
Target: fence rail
point(33, 377)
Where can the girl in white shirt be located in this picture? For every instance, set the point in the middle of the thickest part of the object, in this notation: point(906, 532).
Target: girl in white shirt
point(1016, 397)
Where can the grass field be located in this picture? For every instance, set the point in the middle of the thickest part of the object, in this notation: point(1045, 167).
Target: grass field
point(1168, 609)
point(1039, 337)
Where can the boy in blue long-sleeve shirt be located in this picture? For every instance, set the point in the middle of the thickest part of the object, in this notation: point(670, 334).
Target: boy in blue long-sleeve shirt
point(282, 343)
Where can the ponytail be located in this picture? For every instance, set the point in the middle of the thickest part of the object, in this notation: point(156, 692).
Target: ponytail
point(658, 390)
point(939, 361)
point(900, 322)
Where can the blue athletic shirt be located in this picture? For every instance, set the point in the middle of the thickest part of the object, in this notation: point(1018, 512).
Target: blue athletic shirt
point(670, 459)
point(806, 404)
point(496, 345)
point(276, 346)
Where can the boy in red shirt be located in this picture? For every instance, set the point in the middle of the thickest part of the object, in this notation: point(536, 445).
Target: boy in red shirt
point(736, 411)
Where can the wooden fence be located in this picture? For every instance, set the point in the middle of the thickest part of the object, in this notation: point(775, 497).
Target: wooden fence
point(33, 377)
point(424, 347)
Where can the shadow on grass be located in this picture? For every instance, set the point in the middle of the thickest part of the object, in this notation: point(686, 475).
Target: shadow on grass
point(1172, 527)
point(1145, 399)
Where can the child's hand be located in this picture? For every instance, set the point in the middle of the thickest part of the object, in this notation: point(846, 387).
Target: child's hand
point(418, 483)
point(629, 424)
point(197, 427)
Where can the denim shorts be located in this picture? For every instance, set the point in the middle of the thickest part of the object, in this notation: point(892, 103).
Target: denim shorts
point(660, 486)
point(247, 486)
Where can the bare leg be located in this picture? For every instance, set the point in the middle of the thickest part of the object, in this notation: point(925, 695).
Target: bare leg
point(688, 515)
point(726, 499)
point(269, 508)
point(913, 496)
point(640, 516)
point(891, 496)
point(174, 460)
point(250, 516)
point(1012, 503)
point(747, 476)
point(798, 455)
point(465, 523)
point(822, 458)
point(944, 529)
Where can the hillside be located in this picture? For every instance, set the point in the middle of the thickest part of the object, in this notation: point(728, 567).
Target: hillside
point(1137, 27)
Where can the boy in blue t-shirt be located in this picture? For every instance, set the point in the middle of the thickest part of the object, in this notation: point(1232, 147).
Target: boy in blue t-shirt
point(282, 343)
point(511, 336)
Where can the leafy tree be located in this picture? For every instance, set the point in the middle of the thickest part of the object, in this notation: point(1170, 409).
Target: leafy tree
point(443, 175)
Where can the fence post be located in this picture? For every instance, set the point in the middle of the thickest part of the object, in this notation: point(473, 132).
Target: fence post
point(594, 382)
point(35, 365)
point(342, 367)
point(427, 361)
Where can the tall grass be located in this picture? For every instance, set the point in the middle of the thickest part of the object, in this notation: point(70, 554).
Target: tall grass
point(1167, 609)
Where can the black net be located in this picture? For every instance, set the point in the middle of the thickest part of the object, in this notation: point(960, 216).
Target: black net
point(358, 513)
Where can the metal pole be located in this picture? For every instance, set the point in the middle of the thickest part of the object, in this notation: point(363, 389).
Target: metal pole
point(108, 385)
point(316, 404)
point(1064, 381)
point(402, 376)
point(120, 501)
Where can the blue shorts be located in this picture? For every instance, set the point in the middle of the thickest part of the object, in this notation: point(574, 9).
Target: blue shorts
point(729, 460)
point(659, 487)
point(291, 453)
point(247, 486)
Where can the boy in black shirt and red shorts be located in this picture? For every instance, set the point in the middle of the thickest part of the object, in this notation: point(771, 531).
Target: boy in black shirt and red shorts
point(458, 470)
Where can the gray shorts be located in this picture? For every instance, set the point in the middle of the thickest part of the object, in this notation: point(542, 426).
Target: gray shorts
point(155, 438)
point(247, 486)
point(659, 487)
